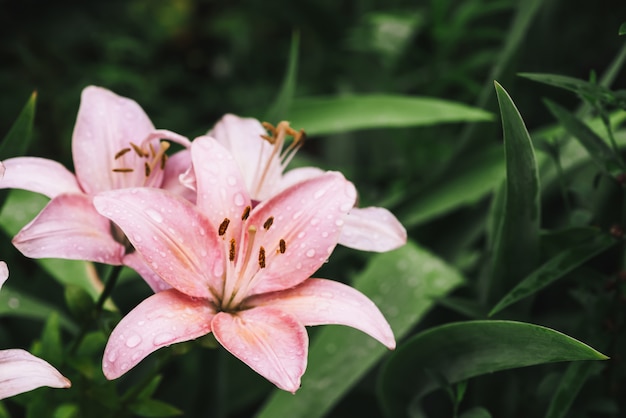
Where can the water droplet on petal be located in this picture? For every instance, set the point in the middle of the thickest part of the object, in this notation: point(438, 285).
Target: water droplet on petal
point(163, 338)
point(239, 200)
point(133, 341)
point(156, 216)
point(231, 180)
point(310, 253)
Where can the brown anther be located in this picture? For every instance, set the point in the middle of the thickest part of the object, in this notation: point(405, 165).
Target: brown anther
point(223, 227)
point(282, 246)
point(268, 223)
point(121, 152)
point(152, 152)
point(123, 170)
point(262, 257)
point(269, 127)
point(269, 139)
point(138, 150)
point(147, 169)
point(246, 213)
point(163, 161)
point(231, 252)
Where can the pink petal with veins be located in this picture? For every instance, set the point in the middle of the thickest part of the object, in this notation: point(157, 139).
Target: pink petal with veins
point(38, 175)
point(372, 229)
point(271, 342)
point(178, 165)
point(177, 241)
point(22, 372)
point(162, 319)
point(321, 301)
point(69, 227)
point(297, 175)
point(308, 217)
point(221, 192)
point(105, 125)
point(136, 262)
point(242, 138)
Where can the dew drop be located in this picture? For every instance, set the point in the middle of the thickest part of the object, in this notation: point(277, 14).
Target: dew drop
point(156, 216)
point(231, 180)
point(163, 338)
point(310, 253)
point(14, 303)
point(133, 341)
point(239, 200)
point(319, 193)
point(112, 356)
point(339, 222)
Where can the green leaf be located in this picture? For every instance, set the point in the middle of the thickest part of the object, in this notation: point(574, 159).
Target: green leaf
point(473, 179)
point(555, 268)
point(330, 115)
point(595, 146)
point(154, 408)
point(464, 350)
point(517, 240)
point(404, 284)
point(622, 29)
point(476, 412)
point(51, 344)
point(20, 208)
point(16, 141)
point(572, 381)
point(19, 304)
point(283, 100)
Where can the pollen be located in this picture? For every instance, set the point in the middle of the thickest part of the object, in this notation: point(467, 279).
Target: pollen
point(147, 169)
point(262, 257)
point(123, 170)
point(282, 246)
point(223, 227)
point(246, 213)
point(268, 223)
point(231, 252)
point(121, 152)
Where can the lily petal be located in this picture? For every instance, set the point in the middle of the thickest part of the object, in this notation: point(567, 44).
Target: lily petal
point(308, 217)
point(4, 273)
point(162, 319)
point(372, 229)
point(221, 190)
point(105, 125)
point(176, 168)
point(297, 175)
point(21, 372)
point(273, 343)
point(176, 240)
point(242, 138)
point(69, 227)
point(321, 301)
point(38, 175)
point(136, 262)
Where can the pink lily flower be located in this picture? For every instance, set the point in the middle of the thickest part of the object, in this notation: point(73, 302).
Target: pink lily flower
point(22, 372)
point(114, 146)
point(263, 160)
point(237, 271)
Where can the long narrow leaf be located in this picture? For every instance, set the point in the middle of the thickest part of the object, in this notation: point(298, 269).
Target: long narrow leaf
point(517, 241)
point(281, 104)
point(572, 381)
point(459, 351)
point(329, 115)
point(404, 284)
point(555, 268)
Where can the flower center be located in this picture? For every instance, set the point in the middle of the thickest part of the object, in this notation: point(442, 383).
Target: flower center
point(244, 264)
point(153, 158)
point(281, 155)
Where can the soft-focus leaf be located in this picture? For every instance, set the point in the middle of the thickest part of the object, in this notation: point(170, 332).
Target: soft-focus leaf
point(622, 29)
point(154, 408)
point(472, 180)
point(283, 100)
point(20, 208)
point(582, 87)
point(16, 303)
point(555, 268)
point(404, 284)
point(51, 344)
point(329, 115)
point(572, 381)
point(597, 148)
point(463, 350)
point(477, 412)
point(16, 141)
point(517, 241)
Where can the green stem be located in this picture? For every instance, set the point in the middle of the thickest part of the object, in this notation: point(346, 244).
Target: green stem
point(97, 310)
